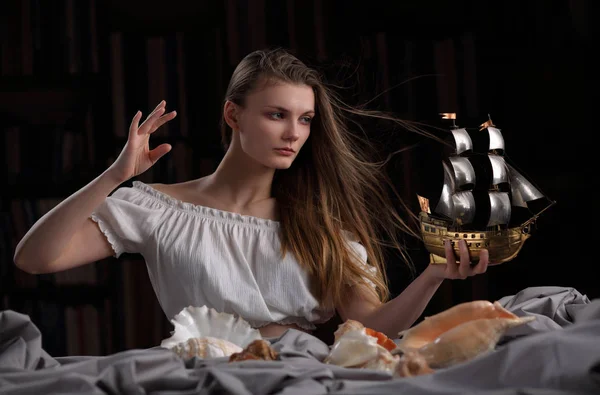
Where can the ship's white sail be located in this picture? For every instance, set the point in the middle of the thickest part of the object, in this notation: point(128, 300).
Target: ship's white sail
point(464, 207)
point(458, 200)
point(463, 171)
point(463, 141)
point(496, 139)
point(499, 170)
point(445, 205)
point(522, 190)
point(500, 209)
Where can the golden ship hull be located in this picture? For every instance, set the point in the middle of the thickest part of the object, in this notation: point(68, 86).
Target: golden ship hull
point(503, 245)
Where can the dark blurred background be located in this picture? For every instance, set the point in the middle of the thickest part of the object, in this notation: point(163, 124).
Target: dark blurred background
point(74, 72)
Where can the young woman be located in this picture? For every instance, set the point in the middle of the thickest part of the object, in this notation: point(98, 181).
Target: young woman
point(287, 231)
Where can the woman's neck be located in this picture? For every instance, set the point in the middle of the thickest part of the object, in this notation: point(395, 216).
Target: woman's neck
point(239, 180)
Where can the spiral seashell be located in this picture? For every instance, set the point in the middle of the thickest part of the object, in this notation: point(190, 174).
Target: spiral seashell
point(205, 348)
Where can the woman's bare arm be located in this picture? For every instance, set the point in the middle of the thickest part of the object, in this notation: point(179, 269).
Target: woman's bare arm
point(65, 237)
point(401, 312)
point(397, 314)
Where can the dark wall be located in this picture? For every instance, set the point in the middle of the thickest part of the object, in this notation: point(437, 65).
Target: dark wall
point(74, 73)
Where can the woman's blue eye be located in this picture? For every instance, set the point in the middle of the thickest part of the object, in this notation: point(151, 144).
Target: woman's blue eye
point(279, 115)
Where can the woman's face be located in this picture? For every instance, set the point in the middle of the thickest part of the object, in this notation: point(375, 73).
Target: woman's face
point(275, 123)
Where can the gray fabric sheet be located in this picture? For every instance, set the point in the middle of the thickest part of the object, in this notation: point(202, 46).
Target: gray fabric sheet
point(559, 354)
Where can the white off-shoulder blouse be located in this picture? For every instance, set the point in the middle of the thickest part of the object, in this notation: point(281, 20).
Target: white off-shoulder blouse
point(202, 256)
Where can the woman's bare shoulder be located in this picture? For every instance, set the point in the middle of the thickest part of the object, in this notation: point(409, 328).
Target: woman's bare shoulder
point(188, 191)
point(179, 186)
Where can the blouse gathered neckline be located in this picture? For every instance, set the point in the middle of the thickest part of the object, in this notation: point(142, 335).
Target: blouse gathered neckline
point(205, 211)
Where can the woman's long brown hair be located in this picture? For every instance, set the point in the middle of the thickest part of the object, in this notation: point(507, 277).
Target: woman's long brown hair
point(332, 193)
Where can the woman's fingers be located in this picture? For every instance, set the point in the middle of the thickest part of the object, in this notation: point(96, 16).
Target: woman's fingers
point(451, 266)
point(159, 152)
point(134, 126)
point(484, 259)
point(464, 268)
point(161, 104)
point(162, 120)
point(146, 127)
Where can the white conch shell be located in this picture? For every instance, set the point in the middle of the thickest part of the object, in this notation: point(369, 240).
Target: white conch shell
point(348, 326)
point(354, 348)
point(210, 330)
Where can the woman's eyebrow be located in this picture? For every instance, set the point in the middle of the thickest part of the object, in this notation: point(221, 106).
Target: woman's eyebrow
point(283, 109)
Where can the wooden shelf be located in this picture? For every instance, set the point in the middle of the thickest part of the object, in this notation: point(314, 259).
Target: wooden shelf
point(45, 101)
point(151, 17)
point(72, 294)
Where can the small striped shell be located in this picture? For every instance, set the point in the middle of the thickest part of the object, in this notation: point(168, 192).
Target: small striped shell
point(384, 360)
point(205, 348)
point(412, 364)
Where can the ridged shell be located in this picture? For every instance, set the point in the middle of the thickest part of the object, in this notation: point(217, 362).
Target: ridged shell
point(203, 323)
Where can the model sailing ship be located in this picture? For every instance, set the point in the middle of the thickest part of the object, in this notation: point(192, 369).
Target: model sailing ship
point(479, 199)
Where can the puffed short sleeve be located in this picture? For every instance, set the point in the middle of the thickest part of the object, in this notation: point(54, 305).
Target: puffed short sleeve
point(361, 252)
point(127, 219)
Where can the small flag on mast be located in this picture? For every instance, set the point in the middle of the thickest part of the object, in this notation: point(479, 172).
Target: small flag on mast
point(487, 123)
point(448, 115)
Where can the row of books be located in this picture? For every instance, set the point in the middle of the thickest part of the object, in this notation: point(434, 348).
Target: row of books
point(50, 38)
point(98, 319)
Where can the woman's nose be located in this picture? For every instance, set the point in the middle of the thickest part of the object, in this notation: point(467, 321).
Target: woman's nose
point(292, 132)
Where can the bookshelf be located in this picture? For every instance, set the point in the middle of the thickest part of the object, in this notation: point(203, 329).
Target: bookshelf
point(54, 102)
point(69, 84)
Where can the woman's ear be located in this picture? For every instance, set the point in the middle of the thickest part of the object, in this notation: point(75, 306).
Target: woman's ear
point(231, 115)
